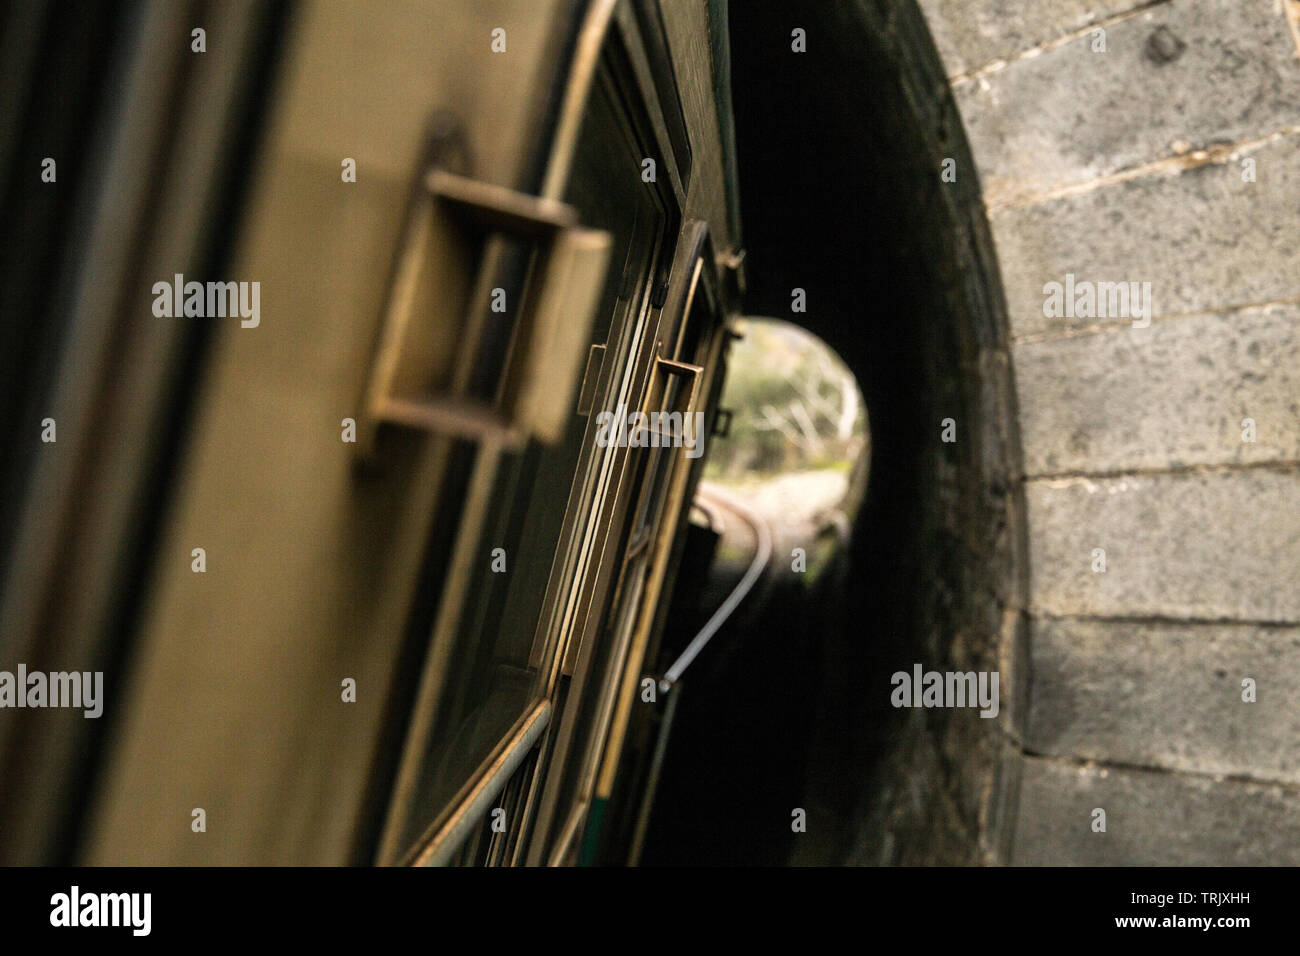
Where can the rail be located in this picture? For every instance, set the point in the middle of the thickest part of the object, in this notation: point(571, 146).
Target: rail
point(762, 554)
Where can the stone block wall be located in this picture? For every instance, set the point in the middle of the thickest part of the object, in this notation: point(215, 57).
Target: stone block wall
point(1150, 142)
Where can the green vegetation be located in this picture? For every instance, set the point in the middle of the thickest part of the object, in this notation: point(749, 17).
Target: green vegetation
point(795, 405)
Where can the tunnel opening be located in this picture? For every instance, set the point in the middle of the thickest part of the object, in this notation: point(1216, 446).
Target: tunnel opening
point(788, 748)
point(795, 446)
point(762, 577)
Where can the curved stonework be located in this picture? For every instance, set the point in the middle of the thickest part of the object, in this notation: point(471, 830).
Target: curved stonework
point(1132, 141)
point(841, 198)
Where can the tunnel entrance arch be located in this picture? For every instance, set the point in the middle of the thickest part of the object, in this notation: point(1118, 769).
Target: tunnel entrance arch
point(852, 233)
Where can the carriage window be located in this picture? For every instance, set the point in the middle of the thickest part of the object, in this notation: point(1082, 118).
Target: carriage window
point(495, 676)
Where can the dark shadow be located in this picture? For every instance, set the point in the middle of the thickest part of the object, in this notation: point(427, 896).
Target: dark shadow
point(840, 151)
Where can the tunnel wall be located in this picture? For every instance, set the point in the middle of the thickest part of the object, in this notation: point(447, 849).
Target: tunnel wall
point(840, 150)
point(1170, 154)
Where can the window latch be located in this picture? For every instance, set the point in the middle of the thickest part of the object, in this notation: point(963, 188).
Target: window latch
point(453, 219)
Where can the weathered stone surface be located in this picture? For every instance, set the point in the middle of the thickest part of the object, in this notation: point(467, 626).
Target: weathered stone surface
point(1153, 818)
point(1174, 394)
point(1211, 545)
point(1178, 76)
point(1127, 682)
point(1203, 238)
point(1168, 695)
point(971, 34)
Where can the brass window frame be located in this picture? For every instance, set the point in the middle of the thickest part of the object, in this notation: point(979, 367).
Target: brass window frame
point(693, 274)
point(579, 616)
point(609, 32)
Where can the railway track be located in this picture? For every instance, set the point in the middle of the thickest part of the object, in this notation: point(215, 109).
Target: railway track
point(717, 504)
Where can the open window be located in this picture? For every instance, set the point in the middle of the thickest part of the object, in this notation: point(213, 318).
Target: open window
point(541, 614)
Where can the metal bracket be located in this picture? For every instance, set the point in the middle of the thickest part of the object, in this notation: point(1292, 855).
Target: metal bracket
point(685, 404)
point(722, 423)
point(535, 395)
point(733, 269)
